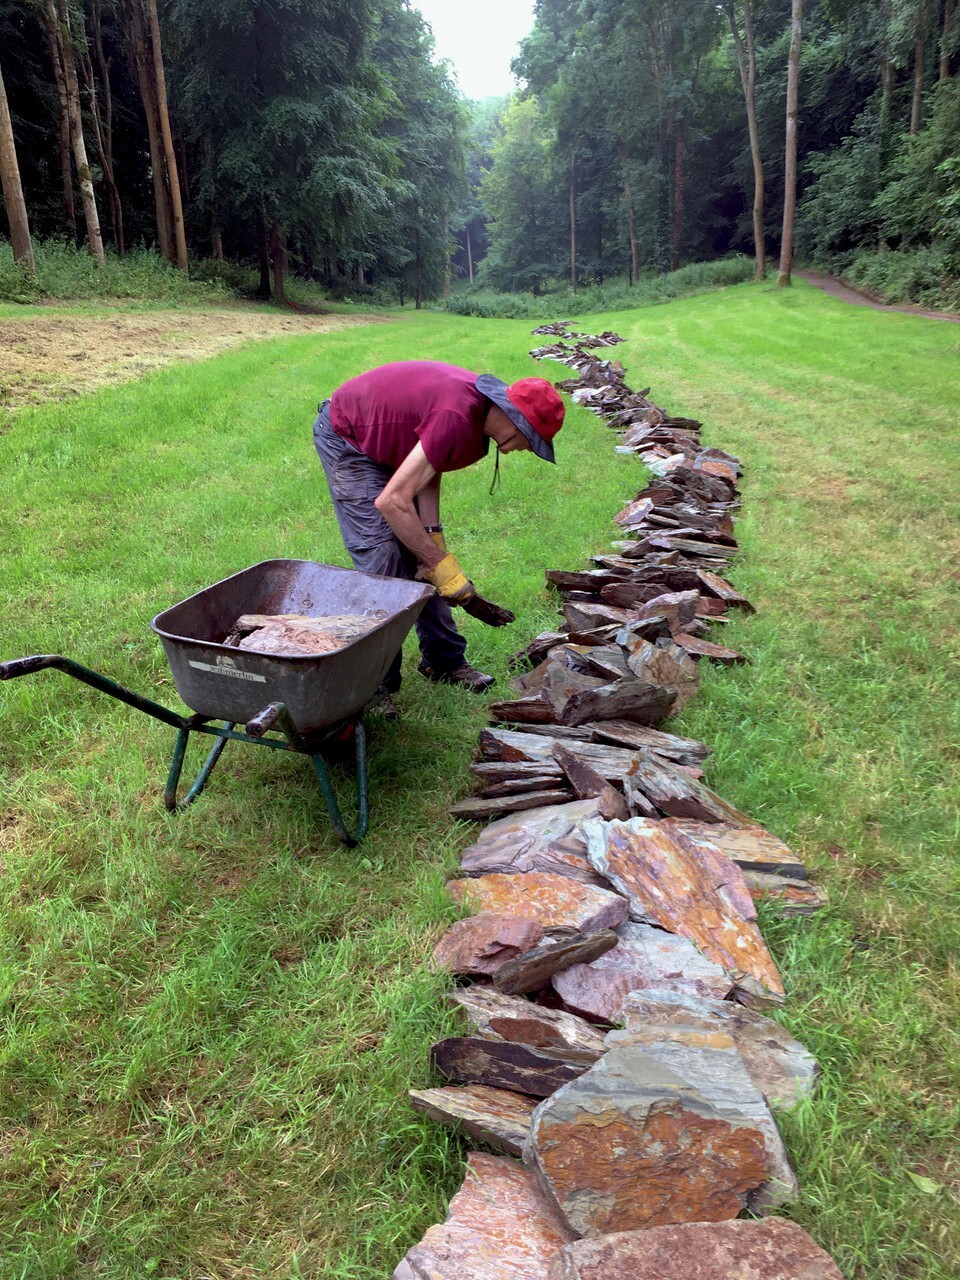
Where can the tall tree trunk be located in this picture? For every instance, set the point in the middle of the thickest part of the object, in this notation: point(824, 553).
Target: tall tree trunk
point(573, 231)
point(63, 120)
point(946, 40)
point(104, 128)
point(173, 177)
point(469, 255)
point(116, 213)
point(13, 190)
point(418, 272)
point(919, 53)
point(60, 18)
point(447, 263)
point(216, 243)
point(748, 78)
point(631, 223)
point(148, 95)
point(278, 260)
point(677, 196)
point(790, 145)
point(263, 255)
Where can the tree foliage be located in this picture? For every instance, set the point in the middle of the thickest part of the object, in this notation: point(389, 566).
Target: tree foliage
point(640, 110)
point(313, 132)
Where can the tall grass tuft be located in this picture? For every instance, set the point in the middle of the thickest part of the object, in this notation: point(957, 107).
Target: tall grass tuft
point(71, 274)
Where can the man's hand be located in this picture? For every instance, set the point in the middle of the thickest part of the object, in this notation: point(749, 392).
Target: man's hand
point(450, 580)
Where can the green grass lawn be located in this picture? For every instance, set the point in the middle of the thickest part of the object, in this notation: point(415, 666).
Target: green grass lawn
point(210, 1021)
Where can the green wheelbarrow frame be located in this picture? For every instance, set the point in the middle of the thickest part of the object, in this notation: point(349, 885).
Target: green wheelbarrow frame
point(272, 717)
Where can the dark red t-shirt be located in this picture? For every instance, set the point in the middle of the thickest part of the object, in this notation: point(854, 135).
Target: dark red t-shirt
point(385, 412)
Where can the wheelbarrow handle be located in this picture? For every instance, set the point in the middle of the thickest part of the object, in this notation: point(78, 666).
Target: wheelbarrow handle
point(43, 661)
point(26, 666)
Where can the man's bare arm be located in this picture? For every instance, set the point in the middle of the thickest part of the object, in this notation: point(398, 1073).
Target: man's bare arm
point(428, 502)
point(396, 505)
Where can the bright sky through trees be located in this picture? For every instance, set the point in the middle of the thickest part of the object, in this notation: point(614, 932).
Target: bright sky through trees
point(480, 41)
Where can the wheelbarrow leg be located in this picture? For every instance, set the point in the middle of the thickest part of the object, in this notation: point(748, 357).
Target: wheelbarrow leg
point(176, 765)
point(363, 804)
point(277, 716)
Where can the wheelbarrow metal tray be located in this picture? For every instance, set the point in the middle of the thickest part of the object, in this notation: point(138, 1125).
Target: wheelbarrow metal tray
point(221, 682)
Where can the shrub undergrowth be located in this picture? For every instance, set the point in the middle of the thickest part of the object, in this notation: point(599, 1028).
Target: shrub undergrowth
point(71, 274)
point(698, 277)
point(929, 276)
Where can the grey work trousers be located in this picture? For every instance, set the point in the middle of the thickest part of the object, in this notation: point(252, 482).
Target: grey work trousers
point(355, 481)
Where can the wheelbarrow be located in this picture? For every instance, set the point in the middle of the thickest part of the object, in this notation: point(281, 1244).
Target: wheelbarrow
point(316, 702)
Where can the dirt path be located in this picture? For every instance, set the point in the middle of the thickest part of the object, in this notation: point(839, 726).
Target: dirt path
point(837, 289)
point(61, 354)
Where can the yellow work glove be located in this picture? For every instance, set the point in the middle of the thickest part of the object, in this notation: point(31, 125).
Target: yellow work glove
point(450, 580)
point(438, 540)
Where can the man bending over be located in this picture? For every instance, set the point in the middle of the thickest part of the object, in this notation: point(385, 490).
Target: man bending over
point(386, 439)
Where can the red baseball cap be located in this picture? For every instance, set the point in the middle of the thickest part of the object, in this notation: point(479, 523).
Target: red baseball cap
point(533, 405)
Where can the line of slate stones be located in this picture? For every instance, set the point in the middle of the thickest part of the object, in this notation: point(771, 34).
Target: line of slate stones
point(612, 976)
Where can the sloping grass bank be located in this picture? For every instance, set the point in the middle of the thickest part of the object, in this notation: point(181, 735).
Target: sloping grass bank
point(211, 1020)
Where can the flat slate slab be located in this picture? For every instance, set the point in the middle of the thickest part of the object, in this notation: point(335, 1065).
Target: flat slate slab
point(533, 969)
point(555, 901)
point(548, 839)
point(699, 896)
point(752, 847)
point(496, 1016)
point(780, 1067)
point(647, 957)
point(497, 1117)
point(500, 1226)
point(709, 1060)
point(630, 1145)
point(480, 945)
point(502, 1065)
point(773, 1249)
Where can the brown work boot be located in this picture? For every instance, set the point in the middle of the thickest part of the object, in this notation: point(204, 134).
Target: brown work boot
point(466, 676)
point(385, 706)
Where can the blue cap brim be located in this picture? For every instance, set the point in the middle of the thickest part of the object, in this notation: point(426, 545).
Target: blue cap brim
point(495, 389)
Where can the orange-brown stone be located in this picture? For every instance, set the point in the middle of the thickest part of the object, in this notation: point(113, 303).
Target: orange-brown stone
point(555, 901)
point(631, 1145)
point(500, 1227)
point(773, 1249)
point(697, 894)
point(481, 944)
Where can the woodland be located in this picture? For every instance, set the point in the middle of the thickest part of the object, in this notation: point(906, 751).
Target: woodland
point(323, 140)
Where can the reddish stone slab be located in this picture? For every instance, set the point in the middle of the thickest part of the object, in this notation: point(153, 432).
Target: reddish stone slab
point(751, 847)
point(546, 839)
point(708, 1059)
point(500, 1226)
point(699, 896)
point(477, 809)
point(481, 944)
point(647, 958)
point(555, 901)
point(533, 969)
point(773, 1249)
point(631, 1145)
point(707, 649)
point(496, 1016)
